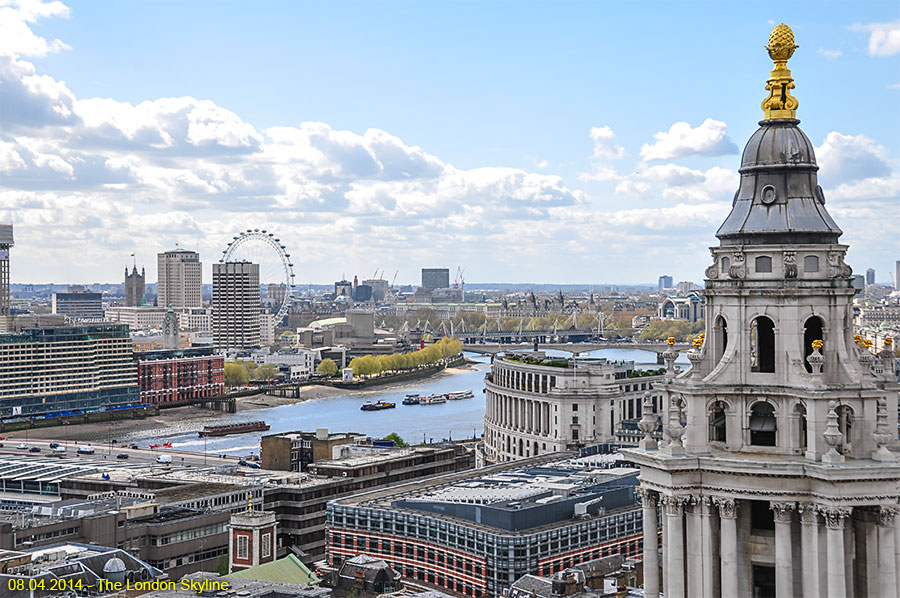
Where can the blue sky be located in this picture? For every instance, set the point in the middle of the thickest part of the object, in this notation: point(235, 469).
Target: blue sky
point(523, 141)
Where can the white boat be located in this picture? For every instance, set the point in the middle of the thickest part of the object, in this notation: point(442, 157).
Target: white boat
point(433, 400)
point(460, 395)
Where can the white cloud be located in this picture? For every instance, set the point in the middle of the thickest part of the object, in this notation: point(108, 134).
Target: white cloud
point(605, 146)
point(16, 35)
point(884, 38)
point(830, 54)
point(843, 158)
point(710, 138)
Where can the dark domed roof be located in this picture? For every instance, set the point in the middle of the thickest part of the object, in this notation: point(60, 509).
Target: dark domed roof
point(779, 200)
point(779, 143)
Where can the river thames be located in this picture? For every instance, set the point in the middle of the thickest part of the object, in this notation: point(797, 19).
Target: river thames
point(414, 423)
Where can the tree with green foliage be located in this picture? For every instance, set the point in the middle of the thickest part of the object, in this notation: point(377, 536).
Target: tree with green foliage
point(328, 367)
point(236, 374)
point(663, 329)
point(222, 565)
point(396, 438)
point(265, 372)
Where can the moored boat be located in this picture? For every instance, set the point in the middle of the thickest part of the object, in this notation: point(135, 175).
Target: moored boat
point(236, 428)
point(412, 399)
point(377, 406)
point(460, 395)
point(435, 399)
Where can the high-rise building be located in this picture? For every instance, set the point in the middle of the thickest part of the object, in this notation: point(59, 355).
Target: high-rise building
point(665, 282)
point(776, 478)
point(52, 369)
point(343, 288)
point(236, 305)
point(435, 278)
point(180, 279)
point(134, 287)
point(6, 241)
point(79, 305)
point(870, 276)
point(897, 275)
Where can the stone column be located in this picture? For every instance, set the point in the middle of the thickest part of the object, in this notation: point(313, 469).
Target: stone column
point(897, 549)
point(675, 545)
point(728, 549)
point(809, 549)
point(887, 555)
point(836, 570)
point(706, 547)
point(694, 547)
point(784, 563)
point(649, 502)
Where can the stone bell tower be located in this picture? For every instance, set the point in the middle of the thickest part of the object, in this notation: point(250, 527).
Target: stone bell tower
point(776, 478)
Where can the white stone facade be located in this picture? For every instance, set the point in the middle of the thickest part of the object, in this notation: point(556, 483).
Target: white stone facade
point(776, 478)
point(536, 409)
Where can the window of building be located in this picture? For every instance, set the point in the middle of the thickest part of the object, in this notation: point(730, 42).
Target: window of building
point(266, 547)
point(243, 547)
point(812, 331)
point(845, 424)
point(761, 516)
point(762, 424)
point(717, 432)
point(574, 406)
point(763, 264)
point(811, 263)
point(762, 345)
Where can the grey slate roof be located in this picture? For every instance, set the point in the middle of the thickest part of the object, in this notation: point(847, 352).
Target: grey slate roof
point(779, 199)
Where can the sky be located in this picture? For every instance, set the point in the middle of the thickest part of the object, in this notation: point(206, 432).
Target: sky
point(551, 142)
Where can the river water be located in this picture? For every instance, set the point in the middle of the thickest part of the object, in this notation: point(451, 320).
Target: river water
point(414, 423)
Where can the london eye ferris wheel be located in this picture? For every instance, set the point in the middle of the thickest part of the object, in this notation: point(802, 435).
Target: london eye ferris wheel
point(276, 272)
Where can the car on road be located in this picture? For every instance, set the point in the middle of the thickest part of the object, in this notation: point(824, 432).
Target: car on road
point(34, 449)
point(85, 450)
point(53, 445)
point(58, 449)
point(122, 456)
point(22, 447)
point(249, 464)
point(164, 459)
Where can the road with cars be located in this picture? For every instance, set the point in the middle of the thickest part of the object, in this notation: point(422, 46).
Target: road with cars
point(124, 453)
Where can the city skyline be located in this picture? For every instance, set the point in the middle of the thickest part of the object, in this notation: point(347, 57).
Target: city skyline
point(525, 139)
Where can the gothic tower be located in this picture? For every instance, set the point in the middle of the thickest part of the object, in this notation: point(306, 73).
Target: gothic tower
point(134, 287)
point(776, 477)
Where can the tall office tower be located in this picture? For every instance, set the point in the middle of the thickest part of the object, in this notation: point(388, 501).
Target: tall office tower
point(236, 305)
point(665, 282)
point(897, 275)
point(180, 279)
point(6, 241)
point(870, 276)
point(78, 305)
point(134, 287)
point(776, 478)
point(435, 278)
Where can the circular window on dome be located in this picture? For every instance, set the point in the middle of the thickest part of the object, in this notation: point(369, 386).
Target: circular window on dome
point(768, 194)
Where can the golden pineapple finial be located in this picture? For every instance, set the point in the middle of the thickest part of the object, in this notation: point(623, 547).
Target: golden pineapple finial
point(780, 103)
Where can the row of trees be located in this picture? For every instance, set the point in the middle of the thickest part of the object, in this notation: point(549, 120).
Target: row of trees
point(239, 373)
point(682, 330)
point(371, 365)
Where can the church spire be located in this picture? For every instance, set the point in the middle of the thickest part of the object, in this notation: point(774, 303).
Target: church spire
point(780, 103)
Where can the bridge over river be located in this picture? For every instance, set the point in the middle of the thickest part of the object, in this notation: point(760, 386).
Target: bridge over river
point(573, 348)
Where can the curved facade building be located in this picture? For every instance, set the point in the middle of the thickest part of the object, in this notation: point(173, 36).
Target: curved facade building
point(537, 404)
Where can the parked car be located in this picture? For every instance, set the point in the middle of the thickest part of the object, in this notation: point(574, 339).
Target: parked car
point(122, 456)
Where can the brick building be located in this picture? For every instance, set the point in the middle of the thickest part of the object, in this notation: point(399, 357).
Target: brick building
point(179, 375)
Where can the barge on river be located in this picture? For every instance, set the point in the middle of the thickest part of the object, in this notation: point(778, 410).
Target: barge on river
point(237, 428)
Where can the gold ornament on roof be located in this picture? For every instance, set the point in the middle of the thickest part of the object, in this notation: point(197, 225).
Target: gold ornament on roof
point(817, 344)
point(867, 343)
point(888, 341)
point(670, 341)
point(697, 342)
point(780, 103)
point(857, 338)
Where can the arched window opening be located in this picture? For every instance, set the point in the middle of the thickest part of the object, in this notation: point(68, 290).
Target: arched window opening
point(717, 432)
point(812, 331)
point(845, 424)
point(721, 337)
point(762, 345)
point(811, 263)
point(762, 425)
point(763, 264)
point(801, 426)
point(535, 452)
point(521, 448)
point(726, 265)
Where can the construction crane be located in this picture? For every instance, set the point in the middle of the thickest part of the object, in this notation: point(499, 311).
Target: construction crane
point(459, 282)
point(394, 281)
